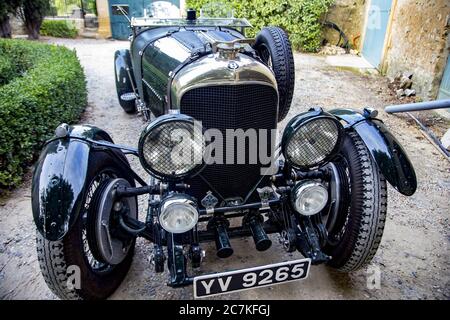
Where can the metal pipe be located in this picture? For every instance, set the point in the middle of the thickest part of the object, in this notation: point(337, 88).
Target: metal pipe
point(256, 205)
point(428, 105)
point(431, 137)
point(124, 192)
point(235, 232)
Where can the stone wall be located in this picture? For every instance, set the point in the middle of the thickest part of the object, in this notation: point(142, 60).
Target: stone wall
point(418, 43)
point(349, 16)
point(17, 26)
point(76, 22)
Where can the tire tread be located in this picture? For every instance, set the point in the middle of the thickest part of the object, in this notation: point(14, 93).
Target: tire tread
point(54, 267)
point(369, 212)
point(283, 64)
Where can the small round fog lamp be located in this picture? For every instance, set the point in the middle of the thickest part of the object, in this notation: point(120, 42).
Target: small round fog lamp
point(178, 215)
point(309, 197)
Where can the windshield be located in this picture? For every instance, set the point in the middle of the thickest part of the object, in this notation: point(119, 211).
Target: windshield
point(162, 10)
point(217, 10)
point(164, 13)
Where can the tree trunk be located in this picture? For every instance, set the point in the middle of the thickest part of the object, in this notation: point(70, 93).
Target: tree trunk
point(5, 27)
point(33, 13)
point(33, 27)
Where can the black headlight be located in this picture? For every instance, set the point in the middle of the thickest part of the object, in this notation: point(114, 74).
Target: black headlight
point(172, 147)
point(311, 139)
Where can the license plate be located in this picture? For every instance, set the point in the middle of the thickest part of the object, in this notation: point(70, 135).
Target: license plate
point(244, 279)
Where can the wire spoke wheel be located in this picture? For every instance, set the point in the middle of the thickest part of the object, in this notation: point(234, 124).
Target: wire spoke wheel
point(98, 180)
point(336, 219)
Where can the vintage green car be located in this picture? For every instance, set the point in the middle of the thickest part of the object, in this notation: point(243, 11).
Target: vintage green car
point(213, 99)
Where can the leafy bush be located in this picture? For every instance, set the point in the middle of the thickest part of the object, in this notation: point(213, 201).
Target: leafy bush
point(58, 28)
point(14, 61)
point(7, 70)
point(300, 18)
point(49, 88)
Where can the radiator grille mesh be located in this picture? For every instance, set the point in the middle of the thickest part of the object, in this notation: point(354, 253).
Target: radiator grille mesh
point(231, 107)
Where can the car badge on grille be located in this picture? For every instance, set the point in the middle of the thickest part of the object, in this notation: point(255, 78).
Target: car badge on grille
point(233, 65)
point(209, 202)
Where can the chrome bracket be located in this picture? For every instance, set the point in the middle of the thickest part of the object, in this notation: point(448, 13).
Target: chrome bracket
point(265, 194)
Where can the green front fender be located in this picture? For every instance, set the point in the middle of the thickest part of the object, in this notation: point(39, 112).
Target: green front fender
point(122, 64)
point(59, 178)
point(385, 149)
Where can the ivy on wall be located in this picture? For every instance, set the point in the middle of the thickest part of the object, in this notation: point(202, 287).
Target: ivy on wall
point(300, 18)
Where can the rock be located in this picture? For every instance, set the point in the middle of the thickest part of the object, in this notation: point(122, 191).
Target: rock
point(408, 75)
point(400, 93)
point(410, 92)
point(445, 140)
point(405, 83)
point(331, 50)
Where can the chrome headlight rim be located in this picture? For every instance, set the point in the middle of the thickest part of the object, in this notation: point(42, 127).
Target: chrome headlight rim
point(158, 122)
point(178, 200)
point(301, 120)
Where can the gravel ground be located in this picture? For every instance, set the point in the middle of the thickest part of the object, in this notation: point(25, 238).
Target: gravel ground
point(414, 254)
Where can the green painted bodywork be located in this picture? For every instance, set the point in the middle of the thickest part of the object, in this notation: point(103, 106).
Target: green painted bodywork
point(122, 61)
point(385, 149)
point(157, 54)
point(158, 61)
point(59, 180)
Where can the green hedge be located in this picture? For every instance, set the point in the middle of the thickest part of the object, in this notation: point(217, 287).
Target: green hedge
point(58, 28)
point(14, 61)
point(7, 70)
point(49, 87)
point(300, 18)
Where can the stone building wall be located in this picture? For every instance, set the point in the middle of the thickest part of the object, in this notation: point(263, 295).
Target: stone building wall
point(349, 16)
point(418, 43)
point(417, 40)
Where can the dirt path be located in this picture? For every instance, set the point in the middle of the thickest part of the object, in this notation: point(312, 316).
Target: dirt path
point(414, 253)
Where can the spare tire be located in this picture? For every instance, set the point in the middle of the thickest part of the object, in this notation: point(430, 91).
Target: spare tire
point(274, 49)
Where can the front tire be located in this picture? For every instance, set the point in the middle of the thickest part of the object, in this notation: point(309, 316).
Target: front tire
point(356, 235)
point(60, 259)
